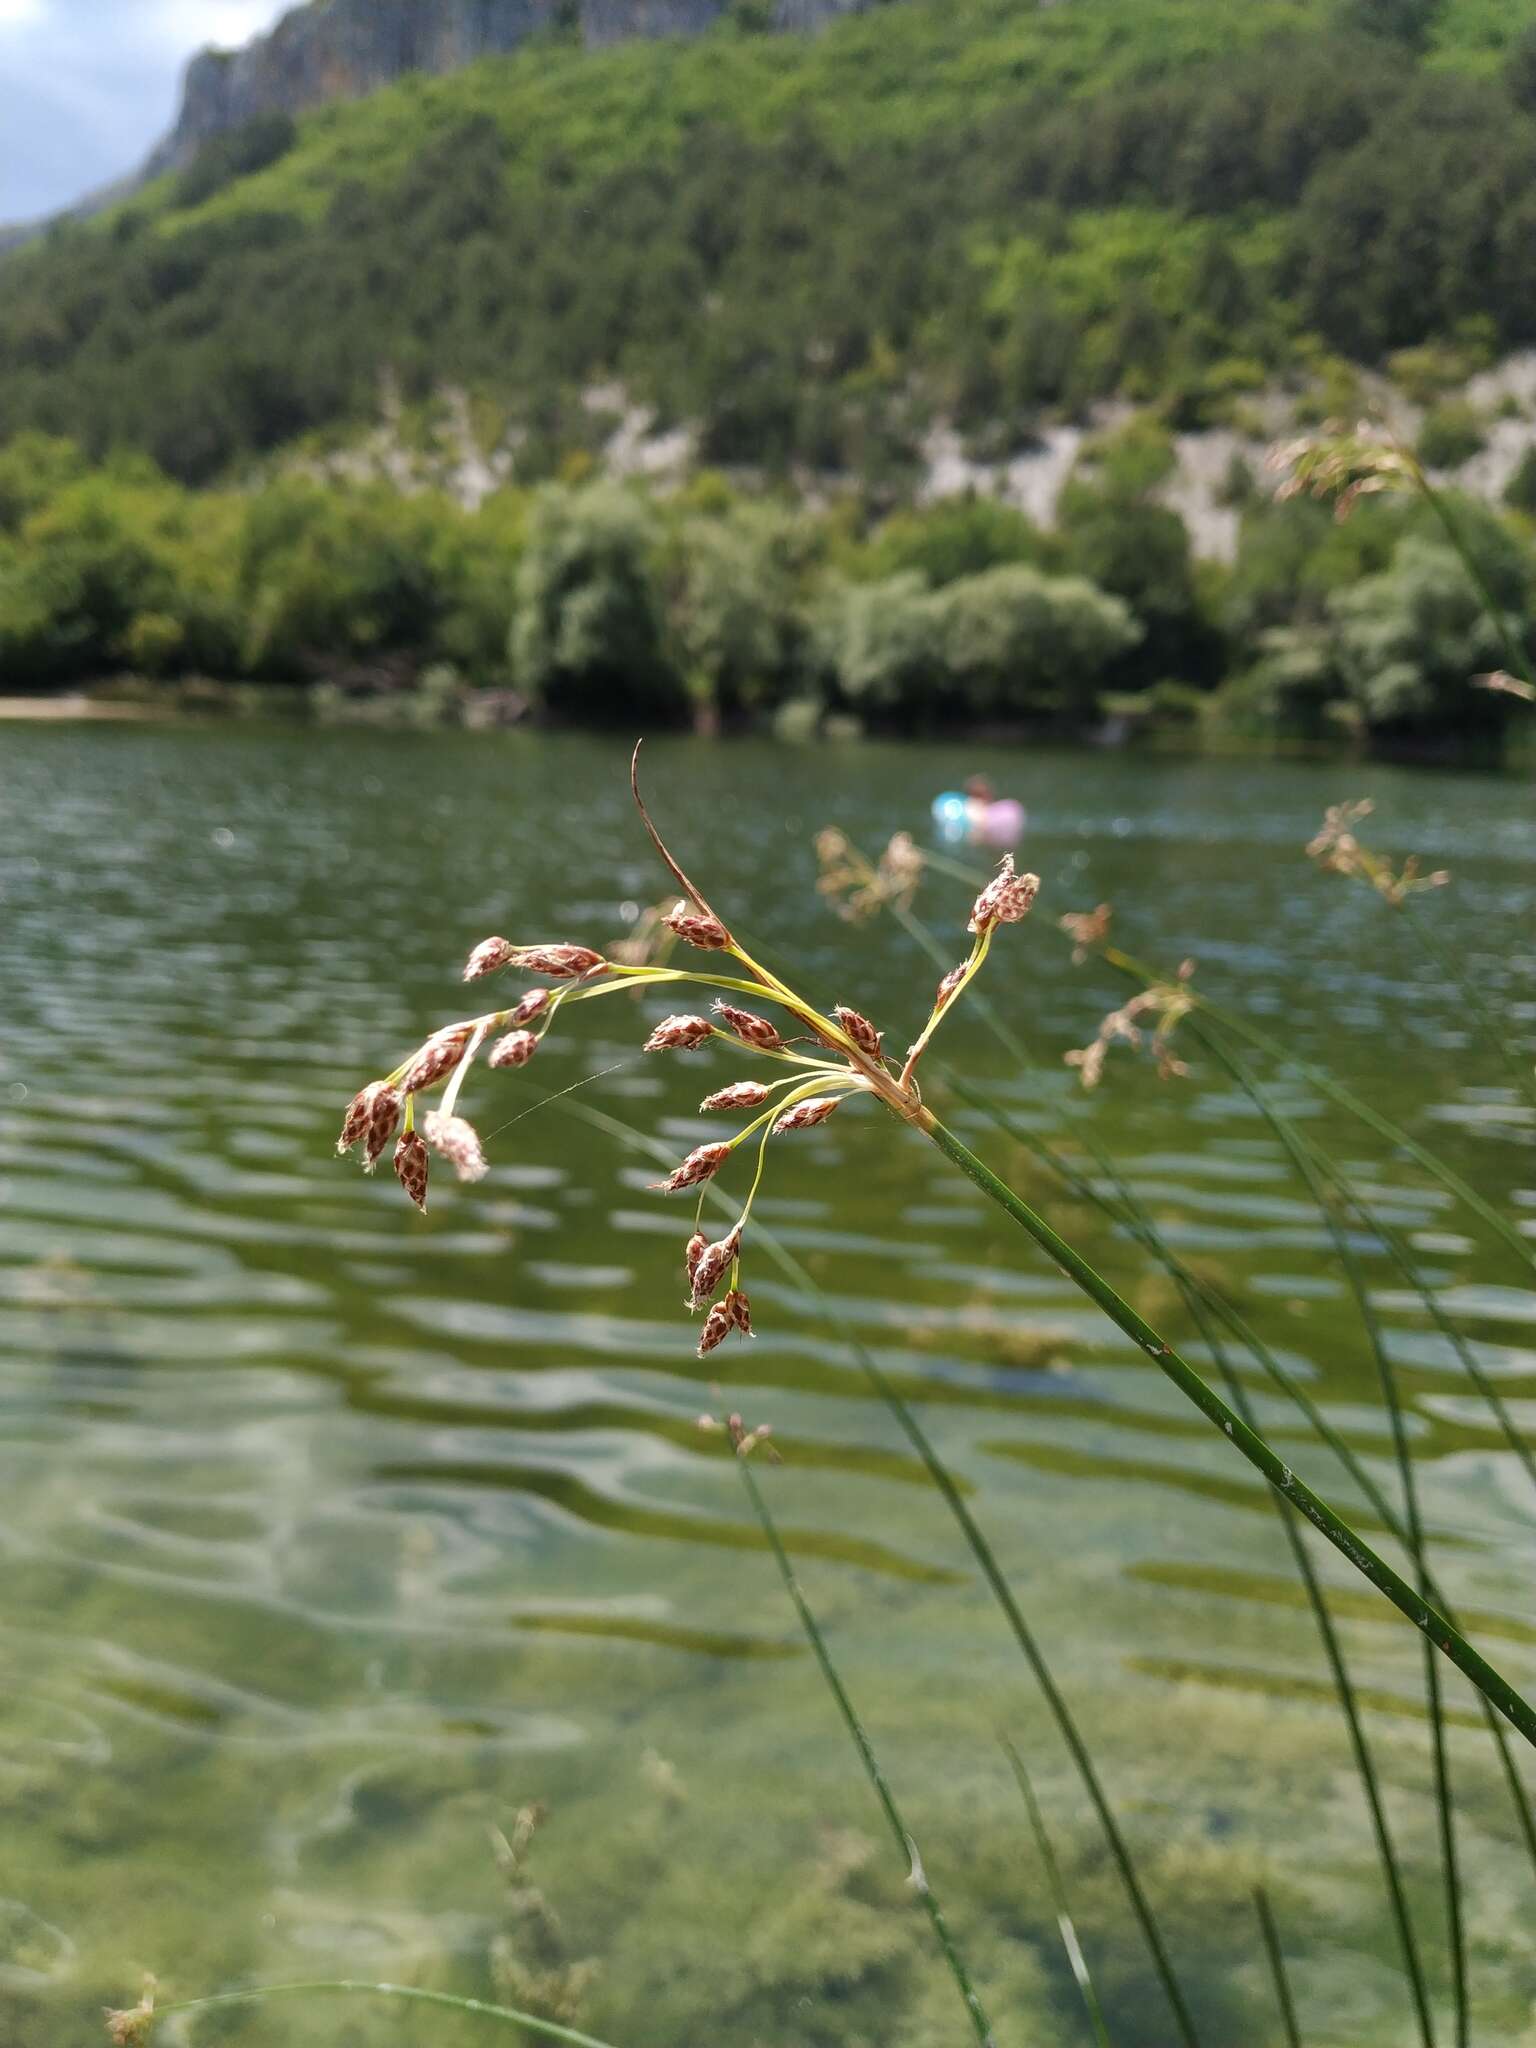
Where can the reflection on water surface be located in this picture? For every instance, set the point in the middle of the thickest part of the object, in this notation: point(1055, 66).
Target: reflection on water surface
point(333, 1537)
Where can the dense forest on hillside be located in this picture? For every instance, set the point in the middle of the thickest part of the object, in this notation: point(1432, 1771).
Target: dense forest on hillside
point(807, 249)
point(812, 246)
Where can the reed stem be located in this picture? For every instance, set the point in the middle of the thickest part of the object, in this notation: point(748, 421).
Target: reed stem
point(905, 1843)
point(1283, 1999)
point(1515, 1708)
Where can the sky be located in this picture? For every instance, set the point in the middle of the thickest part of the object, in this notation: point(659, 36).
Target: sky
point(88, 86)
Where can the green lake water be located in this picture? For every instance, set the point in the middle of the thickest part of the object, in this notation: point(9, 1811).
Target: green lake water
point(332, 1538)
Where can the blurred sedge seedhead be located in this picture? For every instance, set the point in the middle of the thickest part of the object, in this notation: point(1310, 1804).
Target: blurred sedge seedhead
point(1344, 464)
point(1338, 852)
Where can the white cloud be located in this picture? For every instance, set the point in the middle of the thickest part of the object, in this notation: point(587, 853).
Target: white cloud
point(89, 85)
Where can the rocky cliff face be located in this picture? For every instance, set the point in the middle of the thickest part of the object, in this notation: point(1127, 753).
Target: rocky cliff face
point(343, 49)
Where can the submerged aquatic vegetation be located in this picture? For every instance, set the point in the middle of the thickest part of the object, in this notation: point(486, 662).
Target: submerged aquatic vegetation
point(842, 1068)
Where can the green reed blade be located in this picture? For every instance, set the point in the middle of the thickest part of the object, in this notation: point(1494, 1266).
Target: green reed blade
point(1146, 1229)
point(1248, 1442)
point(1283, 1999)
point(1493, 611)
point(980, 1549)
point(906, 1844)
point(1302, 1157)
point(1076, 1960)
point(1212, 1296)
point(1217, 1303)
point(530, 2022)
point(1403, 1259)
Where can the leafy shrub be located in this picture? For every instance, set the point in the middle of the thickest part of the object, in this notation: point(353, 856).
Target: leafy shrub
point(1452, 433)
point(588, 632)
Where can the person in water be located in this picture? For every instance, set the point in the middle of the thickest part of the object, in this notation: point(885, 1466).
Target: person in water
point(977, 816)
point(979, 799)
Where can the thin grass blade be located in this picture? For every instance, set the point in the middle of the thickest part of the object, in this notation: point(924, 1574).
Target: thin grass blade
point(1076, 1960)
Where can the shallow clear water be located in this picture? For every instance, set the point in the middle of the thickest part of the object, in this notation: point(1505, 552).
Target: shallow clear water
point(334, 1537)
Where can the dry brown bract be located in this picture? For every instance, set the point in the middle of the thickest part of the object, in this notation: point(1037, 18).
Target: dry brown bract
point(858, 889)
point(411, 1167)
point(1087, 929)
point(679, 1034)
point(1342, 463)
point(515, 1050)
point(702, 1163)
point(706, 932)
point(750, 1028)
point(1168, 1002)
point(1006, 899)
point(1338, 852)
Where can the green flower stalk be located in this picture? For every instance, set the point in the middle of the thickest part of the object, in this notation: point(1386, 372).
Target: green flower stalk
point(844, 1067)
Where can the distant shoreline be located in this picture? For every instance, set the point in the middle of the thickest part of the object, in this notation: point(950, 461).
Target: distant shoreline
point(75, 706)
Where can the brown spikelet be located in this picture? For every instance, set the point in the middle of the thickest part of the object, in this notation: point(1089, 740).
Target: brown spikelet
point(948, 985)
point(679, 1034)
point(1087, 929)
point(515, 1050)
point(702, 1163)
point(455, 1139)
point(741, 1311)
point(692, 1253)
point(371, 1117)
point(718, 1325)
point(750, 1028)
point(560, 963)
point(411, 1166)
point(804, 1114)
point(435, 1060)
point(698, 928)
point(1005, 899)
point(383, 1118)
point(487, 957)
point(859, 1029)
point(713, 1263)
point(532, 1003)
point(740, 1095)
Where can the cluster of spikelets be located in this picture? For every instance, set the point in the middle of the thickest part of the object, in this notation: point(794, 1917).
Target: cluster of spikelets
point(822, 1059)
point(1338, 852)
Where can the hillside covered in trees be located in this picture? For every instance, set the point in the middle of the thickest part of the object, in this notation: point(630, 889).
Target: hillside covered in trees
point(807, 251)
point(810, 245)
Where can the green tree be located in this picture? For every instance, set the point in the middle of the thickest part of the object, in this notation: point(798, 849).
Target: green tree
point(1019, 643)
point(588, 629)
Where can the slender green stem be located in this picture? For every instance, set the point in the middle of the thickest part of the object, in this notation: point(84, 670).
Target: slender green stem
point(968, 974)
point(530, 2023)
point(1076, 1960)
point(1302, 1162)
point(1513, 659)
point(1283, 1999)
point(1146, 1230)
point(1517, 1710)
point(902, 1834)
point(981, 1550)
